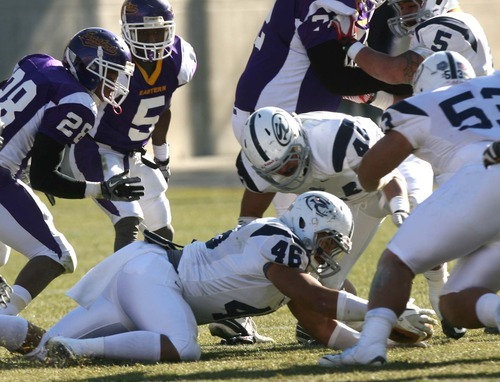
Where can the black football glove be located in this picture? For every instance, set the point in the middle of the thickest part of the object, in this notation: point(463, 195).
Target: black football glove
point(121, 188)
point(492, 154)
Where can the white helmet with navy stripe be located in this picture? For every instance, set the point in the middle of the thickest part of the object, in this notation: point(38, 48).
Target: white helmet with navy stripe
point(324, 224)
point(442, 69)
point(276, 146)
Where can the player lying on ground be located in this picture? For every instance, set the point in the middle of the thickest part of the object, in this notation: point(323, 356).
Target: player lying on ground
point(144, 303)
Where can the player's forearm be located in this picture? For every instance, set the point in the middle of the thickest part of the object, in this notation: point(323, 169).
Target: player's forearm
point(391, 69)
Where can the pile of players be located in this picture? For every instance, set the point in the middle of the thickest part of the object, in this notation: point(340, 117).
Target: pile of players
point(91, 111)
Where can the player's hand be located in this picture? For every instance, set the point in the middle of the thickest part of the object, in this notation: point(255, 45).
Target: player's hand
point(398, 217)
point(492, 154)
point(364, 98)
point(345, 26)
point(122, 188)
point(419, 319)
point(164, 167)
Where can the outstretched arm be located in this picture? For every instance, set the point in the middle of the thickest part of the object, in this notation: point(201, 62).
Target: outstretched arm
point(391, 69)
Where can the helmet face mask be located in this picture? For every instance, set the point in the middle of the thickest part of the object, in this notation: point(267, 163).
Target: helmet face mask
point(101, 62)
point(148, 27)
point(275, 145)
point(442, 69)
point(410, 13)
point(324, 225)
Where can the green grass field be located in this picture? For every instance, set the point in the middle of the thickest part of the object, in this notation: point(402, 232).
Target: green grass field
point(199, 214)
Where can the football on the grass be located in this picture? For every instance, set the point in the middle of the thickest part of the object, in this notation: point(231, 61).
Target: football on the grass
point(409, 335)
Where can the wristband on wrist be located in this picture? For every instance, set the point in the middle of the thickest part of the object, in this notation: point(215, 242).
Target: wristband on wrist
point(399, 203)
point(93, 190)
point(354, 49)
point(161, 152)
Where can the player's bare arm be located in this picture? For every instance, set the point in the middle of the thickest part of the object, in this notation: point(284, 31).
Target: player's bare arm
point(382, 158)
point(390, 69)
point(305, 289)
point(254, 204)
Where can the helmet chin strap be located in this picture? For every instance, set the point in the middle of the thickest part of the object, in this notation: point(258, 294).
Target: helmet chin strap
point(117, 110)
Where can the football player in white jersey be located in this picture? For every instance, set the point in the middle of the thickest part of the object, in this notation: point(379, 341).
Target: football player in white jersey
point(318, 151)
point(45, 105)
point(297, 63)
point(144, 302)
point(450, 128)
point(434, 25)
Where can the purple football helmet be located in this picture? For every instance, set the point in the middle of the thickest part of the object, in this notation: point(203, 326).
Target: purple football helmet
point(96, 54)
point(148, 27)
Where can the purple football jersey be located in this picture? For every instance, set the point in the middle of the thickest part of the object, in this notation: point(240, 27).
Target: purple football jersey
point(278, 72)
point(41, 96)
point(148, 98)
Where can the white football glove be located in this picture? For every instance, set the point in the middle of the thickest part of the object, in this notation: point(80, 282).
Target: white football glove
point(399, 206)
point(417, 320)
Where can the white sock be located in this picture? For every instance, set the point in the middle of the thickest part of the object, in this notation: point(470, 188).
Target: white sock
point(435, 280)
point(486, 309)
point(19, 300)
point(13, 331)
point(343, 337)
point(351, 307)
point(378, 326)
point(139, 346)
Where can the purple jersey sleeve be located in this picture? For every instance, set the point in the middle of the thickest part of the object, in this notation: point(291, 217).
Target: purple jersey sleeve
point(42, 96)
point(279, 72)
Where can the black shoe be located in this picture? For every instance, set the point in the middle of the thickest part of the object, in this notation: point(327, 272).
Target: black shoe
point(452, 332)
point(491, 331)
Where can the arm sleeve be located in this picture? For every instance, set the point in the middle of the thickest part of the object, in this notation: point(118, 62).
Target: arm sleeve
point(44, 175)
point(327, 60)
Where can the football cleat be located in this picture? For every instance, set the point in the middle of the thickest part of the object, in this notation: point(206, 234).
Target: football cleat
point(374, 355)
point(304, 338)
point(491, 331)
point(452, 332)
point(5, 292)
point(59, 352)
point(235, 331)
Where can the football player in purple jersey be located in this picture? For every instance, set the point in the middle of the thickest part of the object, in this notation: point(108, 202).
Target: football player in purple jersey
point(45, 105)
point(163, 63)
point(297, 64)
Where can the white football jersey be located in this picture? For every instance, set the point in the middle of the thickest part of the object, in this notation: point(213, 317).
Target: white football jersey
point(225, 277)
point(338, 142)
point(221, 278)
point(459, 32)
point(451, 126)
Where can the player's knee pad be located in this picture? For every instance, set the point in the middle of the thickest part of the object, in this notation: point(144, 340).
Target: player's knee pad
point(126, 231)
point(157, 212)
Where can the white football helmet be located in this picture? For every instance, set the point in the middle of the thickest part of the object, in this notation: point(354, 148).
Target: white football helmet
point(324, 224)
point(276, 146)
point(442, 69)
point(410, 13)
